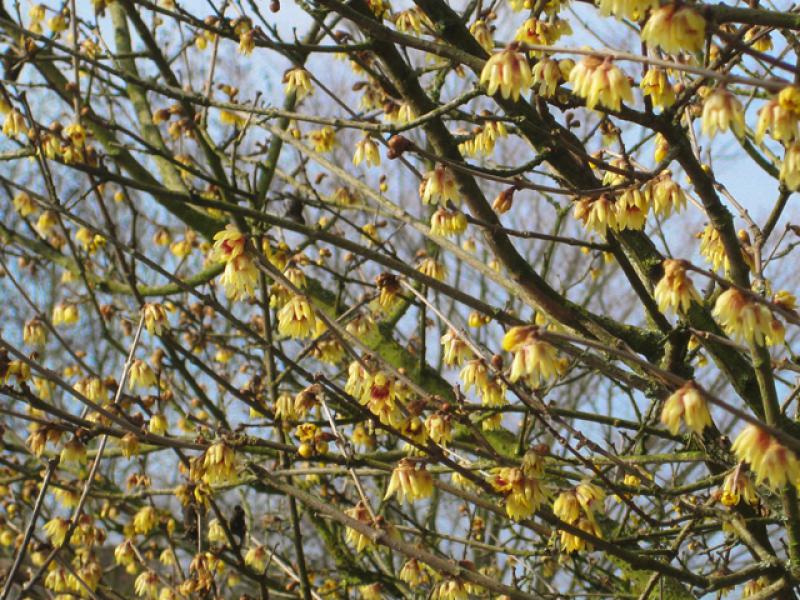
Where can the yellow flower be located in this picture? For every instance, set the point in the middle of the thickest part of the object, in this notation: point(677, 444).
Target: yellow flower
point(432, 268)
point(599, 81)
point(746, 320)
point(675, 291)
point(523, 494)
point(779, 121)
point(239, 278)
point(296, 319)
point(789, 98)
point(687, 403)
point(367, 151)
point(34, 333)
point(627, 9)
point(353, 537)
point(507, 71)
point(227, 117)
point(714, 252)
point(481, 32)
point(597, 213)
point(790, 167)
point(454, 349)
point(158, 424)
point(448, 223)
point(129, 445)
point(228, 244)
point(542, 33)
point(323, 139)
point(410, 481)
point(411, 20)
point(141, 375)
point(413, 573)
point(722, 111)
point(14, 123)
point(56, 529)
point(771, 461)
point(297, 82)
point(439, 428)
point(155, 317)
point(675, 29)
point(256, 558)
point(45, 223)
point(660, 148)
point(534, 359)
point(547, 75)
point(24, 204)
point(73, 452)
point(66, 314)
point(124, 553)
point(216, 533)
point(572, 543)
point(219, 464)
point(146, 584)
point(656, 85)
point(667, 195)
point(439, 186)
point(736, 486)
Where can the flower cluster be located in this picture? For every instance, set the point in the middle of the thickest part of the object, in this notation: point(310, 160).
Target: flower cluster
point(687, 404)
point(577, 507)
point(675, 291)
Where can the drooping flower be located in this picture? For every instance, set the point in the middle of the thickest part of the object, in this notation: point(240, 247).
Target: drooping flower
point(354, 537)
point(535, 360)
point(524, 493)
point(597, 214)
point(454, 349)
point(481, 32)
point(667, 195)
point(34, 333)
point(790, 167)
point(675, 28)
point(747, 320)
point(439, 186)
point(655, 84)
point(737, 487)
point(297, 82)
point(144, 520)
point(367, 151)
point(689, 405)
point(219, 464)
point(66, 314)
point(448, 223)
point(675, 291)
point(599, 81)
point(722, 111)
point(155, 317)
point(537, 32)
point(296, 319)
point(141, 375)
point(626, 9)
point(546, 75)
point(507, 71)
point(56, 530)
point(410, 481)
point(228, 244)
point(771, 461)
point(256, 558)
point(777, 120)
point(239, 277)
point(146, 584)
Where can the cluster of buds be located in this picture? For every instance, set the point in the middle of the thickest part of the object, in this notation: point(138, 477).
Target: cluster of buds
point(323, 140)
point(313, 441)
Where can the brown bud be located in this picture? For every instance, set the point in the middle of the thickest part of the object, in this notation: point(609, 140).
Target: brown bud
point(397, 146)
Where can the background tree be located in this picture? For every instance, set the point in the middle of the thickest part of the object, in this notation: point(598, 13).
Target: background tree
point(425, 300)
